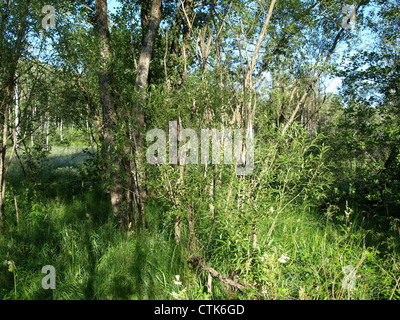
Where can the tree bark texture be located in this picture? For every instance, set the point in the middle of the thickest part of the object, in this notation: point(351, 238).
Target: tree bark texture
point(113, 166)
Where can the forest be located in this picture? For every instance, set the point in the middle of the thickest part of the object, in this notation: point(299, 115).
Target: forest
point(199, 150)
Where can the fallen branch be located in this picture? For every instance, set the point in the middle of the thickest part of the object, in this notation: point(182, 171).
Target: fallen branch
point(197, 261)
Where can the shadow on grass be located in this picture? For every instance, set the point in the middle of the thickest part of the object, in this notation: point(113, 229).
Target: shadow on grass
point(69, 224)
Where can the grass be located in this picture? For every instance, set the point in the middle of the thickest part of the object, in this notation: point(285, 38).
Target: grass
point(73, 230)
point(69, 225)
point(92, 257)
point(319, 249)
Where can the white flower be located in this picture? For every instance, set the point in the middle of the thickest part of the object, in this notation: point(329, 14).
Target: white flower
point(176, 281)
point(302, 293)
point(10, 264)
point(175, 295)
point(283, 259)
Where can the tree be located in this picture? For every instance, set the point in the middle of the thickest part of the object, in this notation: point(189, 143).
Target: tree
point(142, 76)
point(116, 169)
point(13, 29)
point(113, 166)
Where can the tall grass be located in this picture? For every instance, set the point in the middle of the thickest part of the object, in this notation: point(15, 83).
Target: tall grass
point(93, 259)
point(69, 225)
point(308, 256)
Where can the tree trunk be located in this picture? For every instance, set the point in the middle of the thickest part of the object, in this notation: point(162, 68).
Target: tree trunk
point(61, 130)
point(5, 112)
point(113, 166)
point(32, 131)
point(47, 131)
point(16, 119)
point(142, 76)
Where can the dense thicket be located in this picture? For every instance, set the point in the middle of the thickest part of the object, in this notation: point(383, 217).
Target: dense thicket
point(324, 185)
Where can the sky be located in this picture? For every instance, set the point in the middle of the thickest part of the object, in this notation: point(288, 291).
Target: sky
point(112, 5)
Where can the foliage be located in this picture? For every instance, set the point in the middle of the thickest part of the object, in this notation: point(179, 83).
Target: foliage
point(323, 196)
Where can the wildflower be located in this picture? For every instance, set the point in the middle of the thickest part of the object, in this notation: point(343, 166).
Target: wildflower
point(175, 295)
point(348, 211)
point(283, 259)
point(10, 264)
point(302, 293)
point(176, 281)
point(271, 209)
